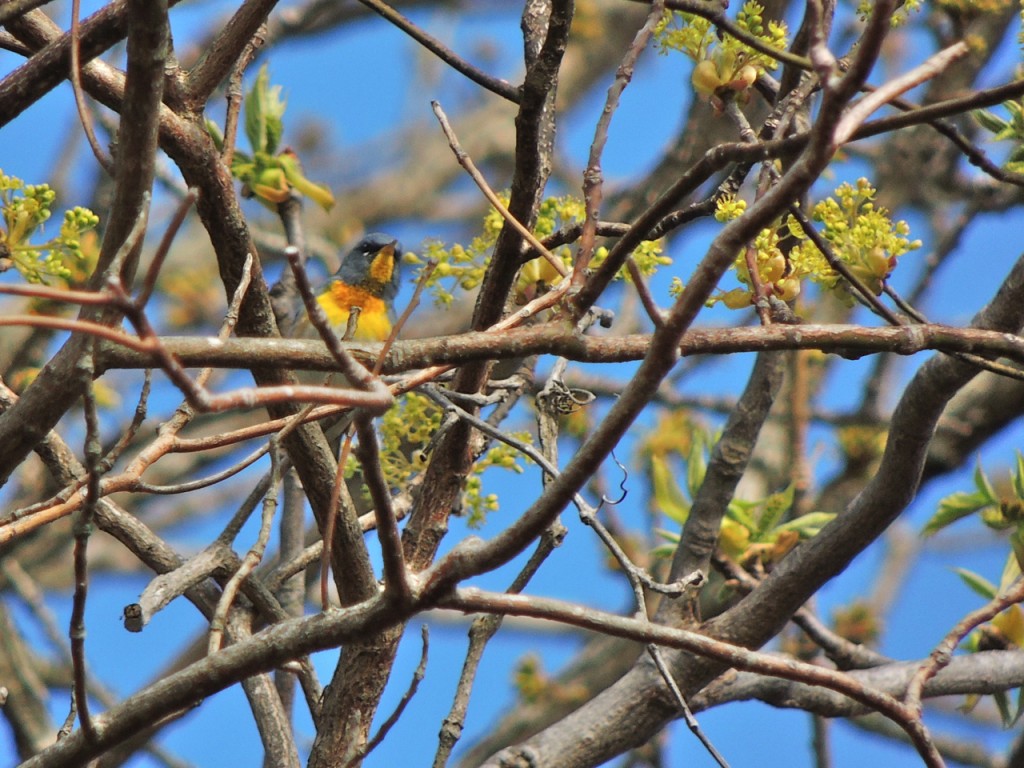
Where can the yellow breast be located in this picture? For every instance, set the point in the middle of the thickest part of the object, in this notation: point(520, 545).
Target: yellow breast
point(373, 324)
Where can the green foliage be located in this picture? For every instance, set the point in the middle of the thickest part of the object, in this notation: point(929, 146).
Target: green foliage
point(25, 209)
point(1001, 512)
point(1006, 130)
point(529, 678)
point(462, 266)
point(406, 431)
point(458, 266)
point(977, 583)
point(535, 685)
point(750, 529)
point(857, 622)
point(901, 14)
point(729, 207)
point(1005, 630)
point(724, 64)
point(969, 8)
point(269, 174)
point(860, 234)
point(476, 504)
point(1001, 508)
point(862, 444)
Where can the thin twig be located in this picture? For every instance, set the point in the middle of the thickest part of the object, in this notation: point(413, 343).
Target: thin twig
point(467, 162)
point(83, 530)
point(470, 599)
point(234, 96)
point(525, 448)
point(84, 115)
point(647, 301)
point(396, 580)
point(495, 85)
point(481, 631)
point(340, 497)
point(691, 722)
point(638, 577)
point(149, 283)
point(993, 366)
point(943, 652)
point(252, 557)
point(202, 482)
point(414, 684)
point(414, 302)
point(593, 181)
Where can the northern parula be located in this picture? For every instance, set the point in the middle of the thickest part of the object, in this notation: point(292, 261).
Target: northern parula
point(367, 279)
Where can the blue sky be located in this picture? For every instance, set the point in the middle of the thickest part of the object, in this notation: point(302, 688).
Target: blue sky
point(357, 111)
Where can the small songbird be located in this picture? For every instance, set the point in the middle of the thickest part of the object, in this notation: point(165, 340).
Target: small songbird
point(367, 279)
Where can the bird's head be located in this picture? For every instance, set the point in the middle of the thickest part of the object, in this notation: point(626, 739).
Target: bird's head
point(373, 264)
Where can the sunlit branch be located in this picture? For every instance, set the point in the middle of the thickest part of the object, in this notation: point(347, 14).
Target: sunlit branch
point(861, 110)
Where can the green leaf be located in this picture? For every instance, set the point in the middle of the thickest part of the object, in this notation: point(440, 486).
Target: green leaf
point(1016, 156)
point(666, 494)
point(739, 512)
point(667, 550)
point(955, 507)
point(989, 121)
point(970, 644)
point(775, 506)
point(1015, 109)
point(669, 536)
point(1003, 702)
point(734, 538)
point(808, 525)
point(1018, 477)
point(696, 467)
point(255, 118)
point(215, 133)
point(1011, 572)
point(318, 193)
point(1020, 708)
point(979, 584)
point(981, 482)
point(264, 109)
point(663, 552)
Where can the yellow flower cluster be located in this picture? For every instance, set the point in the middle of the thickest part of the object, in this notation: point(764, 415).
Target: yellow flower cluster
point(723, 63)
point(463, 266)
point(25, 208)
point(860, 234)
point(406, 431)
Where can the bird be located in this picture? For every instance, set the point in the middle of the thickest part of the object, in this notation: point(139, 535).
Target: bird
point(367, 279)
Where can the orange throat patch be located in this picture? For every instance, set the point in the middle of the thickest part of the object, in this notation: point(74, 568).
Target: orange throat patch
point(338, 300)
